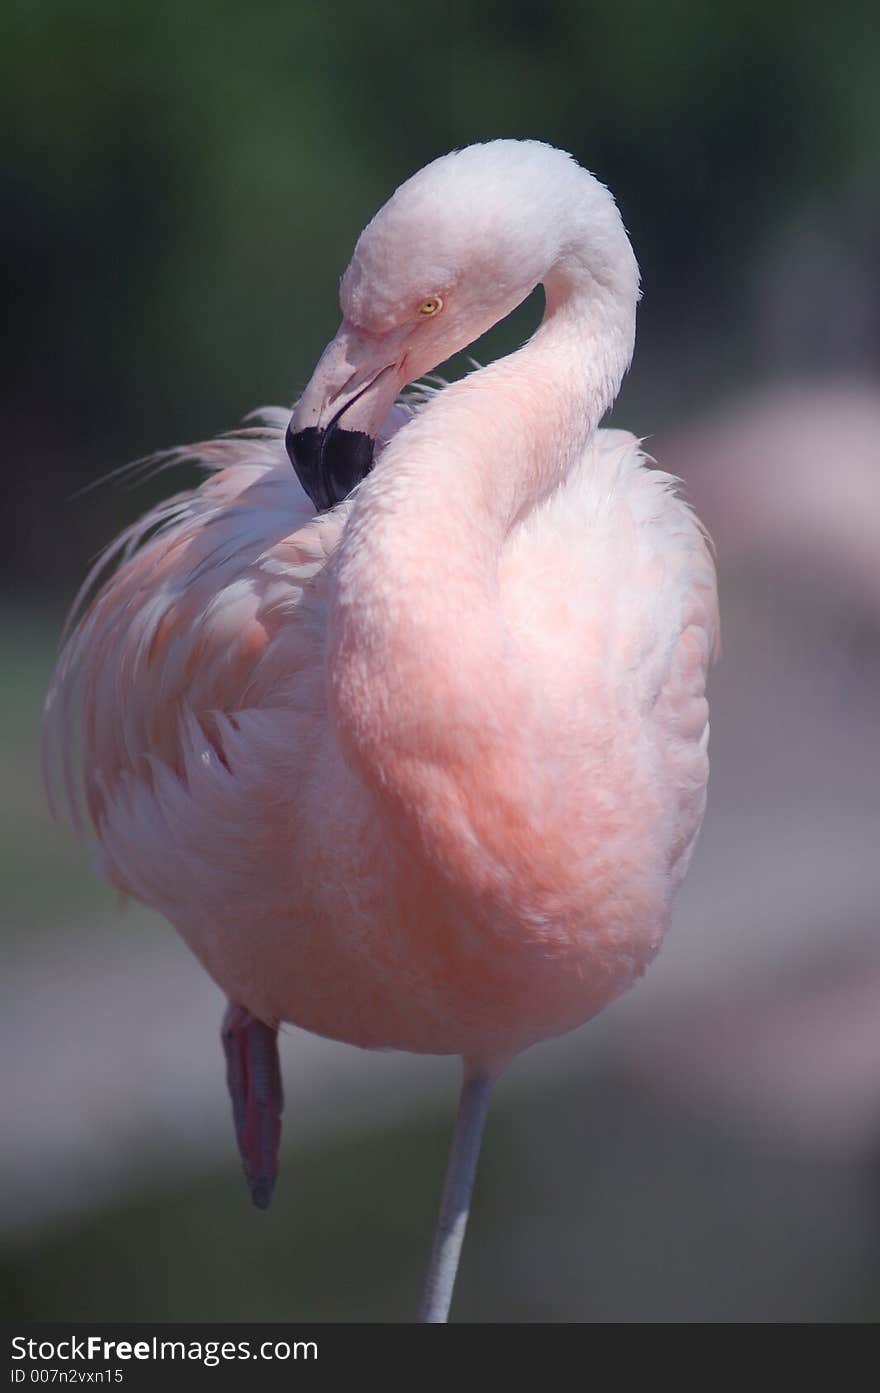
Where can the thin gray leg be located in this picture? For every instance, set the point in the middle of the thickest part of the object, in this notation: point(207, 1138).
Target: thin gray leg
point(455, 1204)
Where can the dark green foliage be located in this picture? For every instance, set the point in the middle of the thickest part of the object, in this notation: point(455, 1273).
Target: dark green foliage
point(182, 186)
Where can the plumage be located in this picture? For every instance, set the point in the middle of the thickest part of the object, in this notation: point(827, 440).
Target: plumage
point(422, 771)
point(219, 796)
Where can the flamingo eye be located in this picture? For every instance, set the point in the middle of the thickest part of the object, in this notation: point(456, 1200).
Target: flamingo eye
point(432, 305)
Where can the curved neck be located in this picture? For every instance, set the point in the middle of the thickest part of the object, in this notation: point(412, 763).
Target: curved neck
point(425, 685)
point(489, 447)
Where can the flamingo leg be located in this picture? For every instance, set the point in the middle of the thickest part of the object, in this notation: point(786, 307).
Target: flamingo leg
point(455, 1203)
point(253, 1076)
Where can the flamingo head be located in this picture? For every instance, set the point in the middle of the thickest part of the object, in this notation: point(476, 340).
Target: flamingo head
point(453, 251)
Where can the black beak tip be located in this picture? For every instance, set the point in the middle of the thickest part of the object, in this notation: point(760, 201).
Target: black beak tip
point(329, 463)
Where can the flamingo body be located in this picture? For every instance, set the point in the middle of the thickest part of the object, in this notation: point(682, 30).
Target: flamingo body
point(423, 769)
point(220, 795)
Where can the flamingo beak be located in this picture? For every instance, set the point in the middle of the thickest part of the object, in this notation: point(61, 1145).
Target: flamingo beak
point(332, 432)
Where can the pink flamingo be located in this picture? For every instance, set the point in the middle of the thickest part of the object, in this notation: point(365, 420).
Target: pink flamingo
point(412, 752)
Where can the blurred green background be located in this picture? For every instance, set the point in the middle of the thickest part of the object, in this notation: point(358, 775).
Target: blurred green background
point(181, 189)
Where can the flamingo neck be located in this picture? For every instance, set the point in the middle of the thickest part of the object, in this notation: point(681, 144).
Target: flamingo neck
point(428, 694)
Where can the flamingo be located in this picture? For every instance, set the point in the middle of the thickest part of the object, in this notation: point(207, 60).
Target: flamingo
point(409, 741)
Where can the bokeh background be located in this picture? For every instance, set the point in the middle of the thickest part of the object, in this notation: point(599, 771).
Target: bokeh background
point(181, 188)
